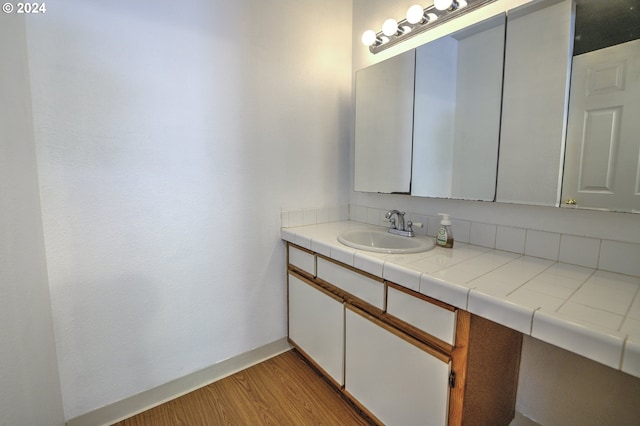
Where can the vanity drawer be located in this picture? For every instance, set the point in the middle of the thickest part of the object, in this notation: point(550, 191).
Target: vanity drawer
point(435, 320)
point(359, 285)
point(302, 260)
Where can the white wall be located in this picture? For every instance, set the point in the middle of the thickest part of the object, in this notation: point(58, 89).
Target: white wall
point(29, 383)
point(169, 136)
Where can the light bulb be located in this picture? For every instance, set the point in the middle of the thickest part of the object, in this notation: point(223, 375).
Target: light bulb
point(442, 4)
point(431, 17)
point(369, 38)
point(389, 27)
point(415, 14)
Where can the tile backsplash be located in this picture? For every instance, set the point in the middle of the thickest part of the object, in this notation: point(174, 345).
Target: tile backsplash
point(608, 255)
point(313, 216)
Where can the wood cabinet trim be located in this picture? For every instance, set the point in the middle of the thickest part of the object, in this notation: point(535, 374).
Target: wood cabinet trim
point(412, 330)
point(421, 296)
point(351, 268)
point(366, 413)
point(301, 272)
point(315, 365)
point(349, 298)
point(459, 356)
point(417, 333)
point(312, 283)
point(289, 244)
point(399, 333)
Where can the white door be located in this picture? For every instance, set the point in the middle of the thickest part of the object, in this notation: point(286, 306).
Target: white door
point(602, 166)
point(316, 325)
point(396, 381)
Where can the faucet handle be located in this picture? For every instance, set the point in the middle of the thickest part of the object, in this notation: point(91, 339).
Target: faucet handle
point(416, 224)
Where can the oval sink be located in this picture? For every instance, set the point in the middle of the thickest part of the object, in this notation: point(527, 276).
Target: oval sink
point(384, 242)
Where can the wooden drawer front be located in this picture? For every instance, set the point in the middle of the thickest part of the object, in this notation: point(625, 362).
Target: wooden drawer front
point(316, 325)
point(365, 288)
point(303, 260)
point(430, 318)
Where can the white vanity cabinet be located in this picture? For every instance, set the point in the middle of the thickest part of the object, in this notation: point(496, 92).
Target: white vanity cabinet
point(394, 377)
point(316, 326)
point(402, 357)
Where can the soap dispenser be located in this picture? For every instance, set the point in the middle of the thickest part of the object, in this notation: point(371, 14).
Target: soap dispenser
point(445, 237)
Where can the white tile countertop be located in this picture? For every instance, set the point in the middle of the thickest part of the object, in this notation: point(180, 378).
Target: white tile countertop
point(587, 311)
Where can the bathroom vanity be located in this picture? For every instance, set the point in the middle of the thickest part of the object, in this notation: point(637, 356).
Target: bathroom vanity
point(435, 337)
point(401, 356)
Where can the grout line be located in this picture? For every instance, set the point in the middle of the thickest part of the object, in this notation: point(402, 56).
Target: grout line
point(635, 297)
point(568, 298)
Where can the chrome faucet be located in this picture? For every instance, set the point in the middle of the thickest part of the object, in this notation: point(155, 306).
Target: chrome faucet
point(398, 225)
point(398, 222)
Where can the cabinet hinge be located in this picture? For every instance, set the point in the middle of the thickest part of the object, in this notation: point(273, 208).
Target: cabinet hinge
point(452, 379)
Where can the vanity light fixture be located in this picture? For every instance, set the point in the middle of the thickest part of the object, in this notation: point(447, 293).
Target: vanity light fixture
point(417, 15)
point(447, 5)
point(418, 20)
point(370, 37)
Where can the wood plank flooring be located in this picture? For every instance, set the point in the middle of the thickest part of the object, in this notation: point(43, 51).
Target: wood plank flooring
point(283, 390)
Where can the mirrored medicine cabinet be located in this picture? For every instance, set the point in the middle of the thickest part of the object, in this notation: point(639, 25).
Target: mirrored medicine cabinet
point(428, 120)
point(433, 121)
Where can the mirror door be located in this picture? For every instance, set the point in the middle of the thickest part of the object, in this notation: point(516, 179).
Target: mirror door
point(456, 126)
point(384, 125)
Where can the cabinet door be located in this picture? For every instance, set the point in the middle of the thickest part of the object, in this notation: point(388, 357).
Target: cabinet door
point(316, 326)
point(534, 103)
point(384, 118)
point(395, 380)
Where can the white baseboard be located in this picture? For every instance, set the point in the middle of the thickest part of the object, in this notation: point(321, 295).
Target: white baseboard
point(143, 401)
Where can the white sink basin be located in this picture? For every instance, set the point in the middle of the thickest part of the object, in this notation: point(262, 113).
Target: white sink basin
point(384, 242)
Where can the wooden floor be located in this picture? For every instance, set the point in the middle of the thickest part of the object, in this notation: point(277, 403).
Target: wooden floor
point(283, 390)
